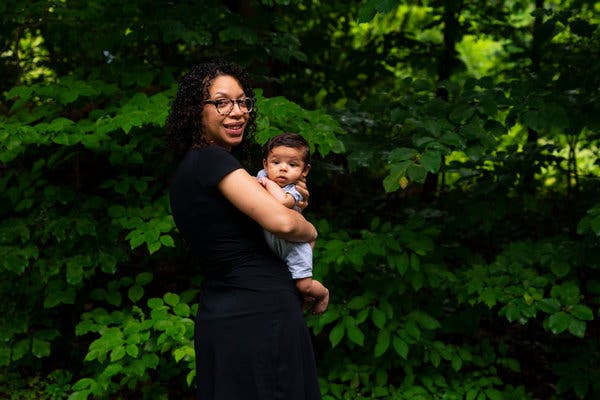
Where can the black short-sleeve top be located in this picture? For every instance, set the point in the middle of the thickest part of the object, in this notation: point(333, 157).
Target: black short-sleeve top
point(241, 273)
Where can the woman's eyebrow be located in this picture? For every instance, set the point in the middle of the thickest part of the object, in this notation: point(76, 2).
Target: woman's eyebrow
point(225, 94)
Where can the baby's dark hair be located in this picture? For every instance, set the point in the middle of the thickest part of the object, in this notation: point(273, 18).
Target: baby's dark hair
point(184, 123)
point(288, 139)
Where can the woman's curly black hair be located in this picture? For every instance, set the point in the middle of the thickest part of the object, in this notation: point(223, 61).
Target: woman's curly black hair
point(184, 123)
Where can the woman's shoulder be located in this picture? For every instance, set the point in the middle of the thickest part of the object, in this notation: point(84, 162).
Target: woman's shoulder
point(211, 154)
point(211, 163)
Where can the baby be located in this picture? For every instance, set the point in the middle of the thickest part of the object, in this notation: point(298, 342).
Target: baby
point(286, 160)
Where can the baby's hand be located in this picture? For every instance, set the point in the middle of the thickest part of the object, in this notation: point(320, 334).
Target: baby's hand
point(274, 189)
point(263, 181)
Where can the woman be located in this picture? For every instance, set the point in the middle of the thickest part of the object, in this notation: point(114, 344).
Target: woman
point(251, 339)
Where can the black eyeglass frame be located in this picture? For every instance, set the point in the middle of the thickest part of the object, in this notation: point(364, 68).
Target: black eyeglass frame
point(247, 102)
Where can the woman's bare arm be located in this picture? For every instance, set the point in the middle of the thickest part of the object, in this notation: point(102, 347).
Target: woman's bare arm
point(244, 192)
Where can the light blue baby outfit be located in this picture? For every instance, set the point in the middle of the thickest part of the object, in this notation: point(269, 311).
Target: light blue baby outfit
point(297, 256)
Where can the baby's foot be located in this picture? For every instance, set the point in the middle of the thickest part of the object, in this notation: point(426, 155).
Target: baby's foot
point(321, 305)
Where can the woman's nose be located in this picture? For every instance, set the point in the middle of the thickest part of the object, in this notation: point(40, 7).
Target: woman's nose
point(236, 110)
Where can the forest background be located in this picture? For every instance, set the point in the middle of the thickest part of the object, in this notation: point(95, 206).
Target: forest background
point(454, 186)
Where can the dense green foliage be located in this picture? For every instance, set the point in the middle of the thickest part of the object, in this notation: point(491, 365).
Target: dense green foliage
point(455, 189)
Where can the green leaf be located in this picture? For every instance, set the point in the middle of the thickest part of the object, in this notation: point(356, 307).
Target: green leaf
point(462, 112)
point(330, 315)
point(171, 299)
point(577, 328)
point(456, 362)
point(402, 154)
point(560, 268)
point(362, 315)
point(452, 139)
point(22, 93)
point(472, 394)
point(154, 246)
point(559, 322)
point(117, 211)
point(383, 342)
point(401, 347)
point(424, 319)
point(495, 128)
point(114, 298)
point(117, 353)
point(413, 330)
point(400, 261)
point(74, 270)
point(167, 240)
point(182, 309)
point(20, 348)
point(431, 160)
point(354, 333)
point(415, 261)
point(554, 115)
point(567, 294)
point(144, 278)
point(359, 302)
point(397, 172)
point(367, 11)
point(494, 394)
point(435, 358)
point(4, 356)
point(57, 296)
point(155, 303)
point(336, 334)
point(111, 370)
point(533, 120)
point(132, 350)
point(512, 364)
point(582, 312)
point(549, 305)
point(183, 352)
point(417, 280)
point(378, 318)
point(416, 173)
point(135, 293)
point(136, 239)
point(189, 378)
point(66, 139)
point(84, 384)
point(40, 348)
point(513, 313)
point(107, 262)
point(59, 124)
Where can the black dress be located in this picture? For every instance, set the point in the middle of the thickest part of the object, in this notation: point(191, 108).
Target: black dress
point(251, 339)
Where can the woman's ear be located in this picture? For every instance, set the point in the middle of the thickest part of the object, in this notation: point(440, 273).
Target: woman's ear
point(306, 170)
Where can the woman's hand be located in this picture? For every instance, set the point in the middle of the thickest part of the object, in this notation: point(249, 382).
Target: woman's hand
point(303, 190)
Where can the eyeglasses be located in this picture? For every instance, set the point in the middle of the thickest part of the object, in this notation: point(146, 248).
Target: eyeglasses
point(225, 106)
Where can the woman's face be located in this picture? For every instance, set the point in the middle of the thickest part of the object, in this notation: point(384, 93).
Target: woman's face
point(224, 130)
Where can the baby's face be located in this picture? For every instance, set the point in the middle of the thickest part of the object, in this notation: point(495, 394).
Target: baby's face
point(285, 165)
